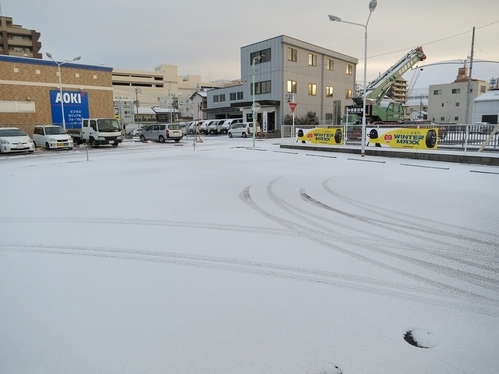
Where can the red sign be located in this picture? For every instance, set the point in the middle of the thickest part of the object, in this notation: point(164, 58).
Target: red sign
point(292, 106)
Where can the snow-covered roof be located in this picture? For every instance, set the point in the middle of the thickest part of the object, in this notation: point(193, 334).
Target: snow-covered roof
point(161, 110)
point(492, 95)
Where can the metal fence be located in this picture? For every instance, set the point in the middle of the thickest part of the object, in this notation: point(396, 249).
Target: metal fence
point(449, 136)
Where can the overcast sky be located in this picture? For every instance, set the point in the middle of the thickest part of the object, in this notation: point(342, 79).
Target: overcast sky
point(204, 37)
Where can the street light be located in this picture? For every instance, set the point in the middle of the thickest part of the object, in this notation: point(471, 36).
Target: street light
point(372, 7)
point(49, 55)
point(253, 89)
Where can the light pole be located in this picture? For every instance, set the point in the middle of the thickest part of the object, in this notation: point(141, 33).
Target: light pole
point(49, 55)
point(372, 6)
point(253, 92)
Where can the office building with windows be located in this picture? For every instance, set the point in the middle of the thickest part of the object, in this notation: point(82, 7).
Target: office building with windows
point(285, 69)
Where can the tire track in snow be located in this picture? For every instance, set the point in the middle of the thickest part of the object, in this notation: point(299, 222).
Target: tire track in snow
point(356, 283)
point(245, 196)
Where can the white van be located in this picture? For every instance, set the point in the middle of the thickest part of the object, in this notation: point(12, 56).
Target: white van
point(52, 137)
point(204, 126)
point(229, 123)
point(215, 127)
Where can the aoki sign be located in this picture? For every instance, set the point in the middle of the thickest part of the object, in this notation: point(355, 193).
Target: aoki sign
point(75, 105)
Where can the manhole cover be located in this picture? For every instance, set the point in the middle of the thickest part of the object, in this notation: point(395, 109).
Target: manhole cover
point(420, 338)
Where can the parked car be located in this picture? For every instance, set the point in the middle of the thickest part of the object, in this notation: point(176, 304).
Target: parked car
point(241, 129)
point(203, 129)
point(133, 128)
point(136, 132)
point(215, 127)
point(228, 123)
point(13, 139)
point(162, 132)
point(52, 137)
point(191, 128)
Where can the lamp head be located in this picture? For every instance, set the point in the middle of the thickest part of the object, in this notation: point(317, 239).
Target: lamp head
point(77, 58)
point(334, 18)
point(372, 5)
point(49, 55)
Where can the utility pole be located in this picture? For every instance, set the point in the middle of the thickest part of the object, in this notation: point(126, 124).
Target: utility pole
point(137, 91)
point(468, 94)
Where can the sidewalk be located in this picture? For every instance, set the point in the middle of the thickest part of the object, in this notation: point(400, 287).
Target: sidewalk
point(471, 156)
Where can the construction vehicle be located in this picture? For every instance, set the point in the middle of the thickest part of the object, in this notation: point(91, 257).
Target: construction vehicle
point(378, 106)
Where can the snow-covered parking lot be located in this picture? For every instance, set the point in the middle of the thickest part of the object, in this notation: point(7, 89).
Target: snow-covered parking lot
point(224, 258)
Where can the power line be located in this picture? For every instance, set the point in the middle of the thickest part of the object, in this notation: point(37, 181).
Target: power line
point(435, 41)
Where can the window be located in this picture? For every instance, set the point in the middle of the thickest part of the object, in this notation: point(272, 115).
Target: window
point(483, 89)
point(222, 97)
point(442, 119)
point(349, 69)
point(437, 92)
point(291, 86)
point(457, 104)
point(329, 64)
point(312, 59)
point(312, 89)
point(329, 117)
point(232, 96)
point(240, 95)
point(215, 98)
point(329, 91)
point(260, 56)
point(456, 90)
point(348, 94)
point(292, 54)
point(442, 105)
point(261, 88)
point(456, 119)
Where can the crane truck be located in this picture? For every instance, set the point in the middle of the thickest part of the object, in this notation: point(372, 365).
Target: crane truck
point(379, 107)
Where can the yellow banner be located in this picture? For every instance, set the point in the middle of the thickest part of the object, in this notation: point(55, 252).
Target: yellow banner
point(403, 137)
point(330, 135)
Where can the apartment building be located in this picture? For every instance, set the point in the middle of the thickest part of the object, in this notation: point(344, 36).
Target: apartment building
point(18, 41)
point(449, 102)
point(283, 68)
point(398, 90)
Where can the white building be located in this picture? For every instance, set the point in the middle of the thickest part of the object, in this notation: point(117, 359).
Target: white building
point(486, 107)
point(163, 88)
point(448, 102)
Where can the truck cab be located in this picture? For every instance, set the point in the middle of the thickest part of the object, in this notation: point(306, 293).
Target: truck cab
point(101, 131)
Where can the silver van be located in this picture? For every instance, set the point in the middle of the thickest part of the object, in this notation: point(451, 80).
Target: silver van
point(162, 132)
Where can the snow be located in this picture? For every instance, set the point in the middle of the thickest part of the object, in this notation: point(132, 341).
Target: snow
point(224, 258)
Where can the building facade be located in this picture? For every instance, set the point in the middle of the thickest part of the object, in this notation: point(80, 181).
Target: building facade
point(448, 103)
point(398, 90)
point(18, 41)
point(30, 93)
point(161, 88)
point(283, 69)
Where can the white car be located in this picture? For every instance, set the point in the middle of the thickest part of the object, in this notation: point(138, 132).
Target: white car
point(229, 123)
point(13, 139)
point(241, 129)
point(52, 137)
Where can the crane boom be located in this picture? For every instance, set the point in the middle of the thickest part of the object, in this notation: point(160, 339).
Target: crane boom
point(377, 89)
